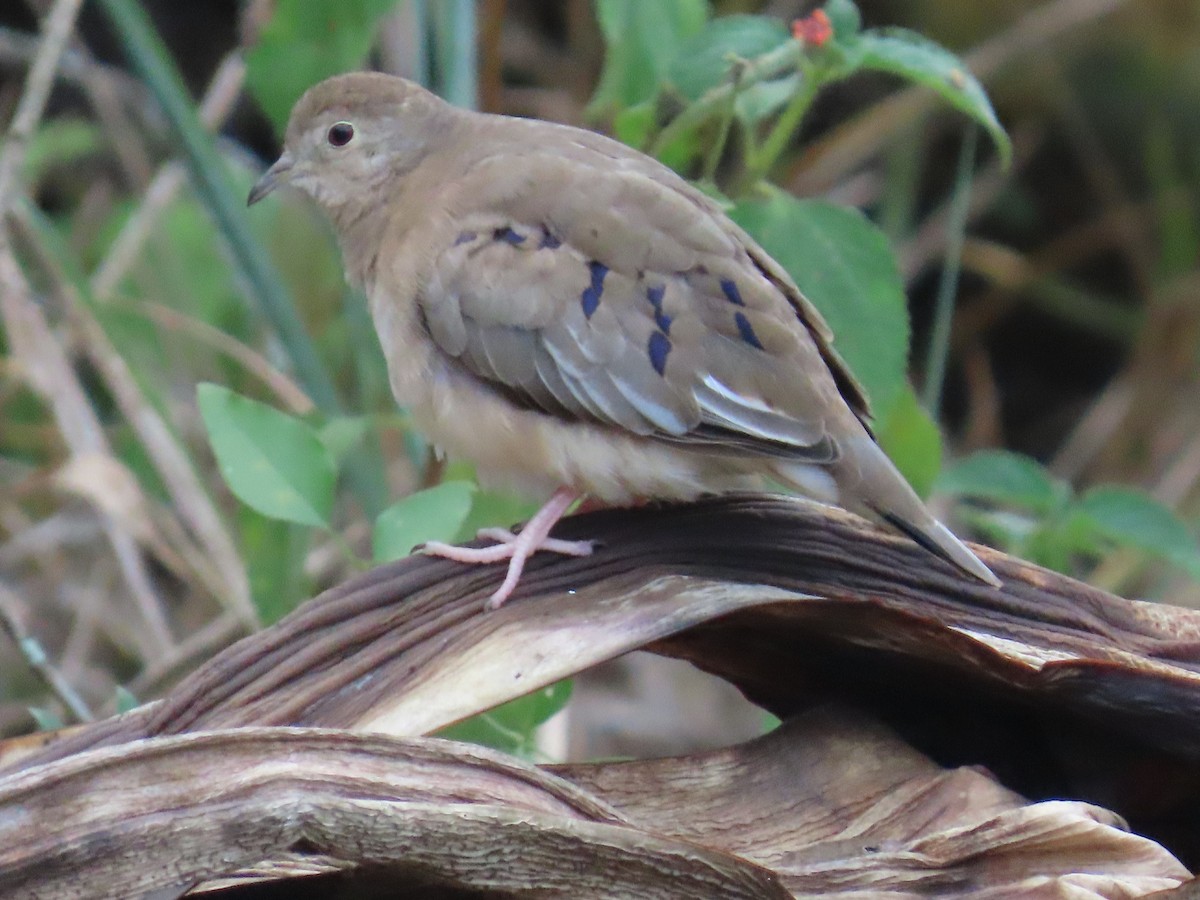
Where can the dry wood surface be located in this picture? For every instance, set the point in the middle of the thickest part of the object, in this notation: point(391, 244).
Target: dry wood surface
point(939, 736)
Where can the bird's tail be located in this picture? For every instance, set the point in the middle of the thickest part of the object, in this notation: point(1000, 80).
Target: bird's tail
point(868, 483)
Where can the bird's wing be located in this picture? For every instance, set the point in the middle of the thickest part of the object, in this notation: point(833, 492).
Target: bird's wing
point(599, 294)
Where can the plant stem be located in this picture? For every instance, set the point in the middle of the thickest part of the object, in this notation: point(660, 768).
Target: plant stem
point(418, 20)
point(785, 127)
point(939, 338)
point(457, 62)
point(901, 175)
point(714, 152)
point(37, 659)
point(770, 65)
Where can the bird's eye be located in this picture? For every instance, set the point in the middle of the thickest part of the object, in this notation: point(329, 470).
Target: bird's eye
point(340, 134)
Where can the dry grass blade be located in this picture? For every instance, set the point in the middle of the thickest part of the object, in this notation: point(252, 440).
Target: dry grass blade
point(48, 372)
point(56, 31)
point(215, 563)
point(286, 391)
point(42, 361)
point(218, 101)
point(18, 50)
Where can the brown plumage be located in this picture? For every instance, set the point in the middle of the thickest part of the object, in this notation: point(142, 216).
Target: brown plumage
point(575, 318)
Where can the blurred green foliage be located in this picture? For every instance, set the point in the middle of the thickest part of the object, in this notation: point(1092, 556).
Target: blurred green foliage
point(1040, 518)
point(306, 42)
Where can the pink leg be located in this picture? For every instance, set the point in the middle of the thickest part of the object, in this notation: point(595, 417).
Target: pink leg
point(517, 548)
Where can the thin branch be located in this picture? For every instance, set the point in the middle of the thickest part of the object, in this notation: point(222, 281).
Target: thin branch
point(56, 31)
point(784, 130)
point(285, 390)
point(35, 655)
point(778, 62)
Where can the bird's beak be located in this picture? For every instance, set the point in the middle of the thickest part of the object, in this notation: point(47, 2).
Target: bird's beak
point(271, 179)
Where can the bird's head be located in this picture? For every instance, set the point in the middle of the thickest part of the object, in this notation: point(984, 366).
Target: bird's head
point(349, 134)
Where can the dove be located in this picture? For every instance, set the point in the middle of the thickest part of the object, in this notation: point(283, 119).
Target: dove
point(578, 320)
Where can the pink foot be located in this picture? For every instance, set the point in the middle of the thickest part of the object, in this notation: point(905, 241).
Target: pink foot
point(517, 548)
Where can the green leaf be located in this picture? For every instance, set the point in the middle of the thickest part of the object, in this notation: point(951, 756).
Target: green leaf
point(272, 462)
point(512, 726)
point(341, 434)
point(1003, 477)
point(918, 59)
point(844, 17)
point(434, 514)
point(1132, 519)
point(641, 40)
point(306, 42)
point(913, 441)
point(706, 59)
point(844, 266)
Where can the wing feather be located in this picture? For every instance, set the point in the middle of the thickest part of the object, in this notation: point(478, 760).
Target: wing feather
point(693, 344)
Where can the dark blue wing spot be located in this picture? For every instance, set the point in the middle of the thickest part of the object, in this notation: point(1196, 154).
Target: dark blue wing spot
point(746, 330)
point(465, 238)
point(731, 292)
point(590, 298)
point(655, 295)
point(549, 241)
point(509, 236)
point(659, 346)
